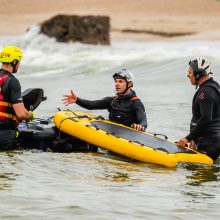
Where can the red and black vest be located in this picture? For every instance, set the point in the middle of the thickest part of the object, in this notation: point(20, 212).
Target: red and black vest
point(7, 115)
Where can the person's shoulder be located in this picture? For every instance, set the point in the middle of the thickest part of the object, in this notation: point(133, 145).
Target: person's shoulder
point(208, 88)
point(109, 97)
point(134, 96)
point(13, 82)
point(137, 102)
point(13, 79)
point(205, 89)
point(206, 93)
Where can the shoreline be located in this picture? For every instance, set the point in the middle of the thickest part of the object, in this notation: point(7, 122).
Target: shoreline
point(145, 36)
point(202, 36)
point(144, 20)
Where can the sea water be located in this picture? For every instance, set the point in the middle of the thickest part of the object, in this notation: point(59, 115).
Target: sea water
point(43, 185)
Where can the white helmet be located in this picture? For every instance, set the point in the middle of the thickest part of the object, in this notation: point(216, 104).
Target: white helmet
point(125, 74)
point(200, 66)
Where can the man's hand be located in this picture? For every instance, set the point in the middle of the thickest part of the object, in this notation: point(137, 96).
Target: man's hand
point(138, 127)
point(192, 145)
point(32, 116)
point(69, 99)
point(182, 142)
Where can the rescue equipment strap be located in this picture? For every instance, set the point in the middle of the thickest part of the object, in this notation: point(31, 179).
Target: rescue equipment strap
point(134, 98)
point(6, 115)
point(5, 104)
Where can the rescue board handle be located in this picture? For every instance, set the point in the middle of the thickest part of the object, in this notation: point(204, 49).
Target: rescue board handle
point(163, 135)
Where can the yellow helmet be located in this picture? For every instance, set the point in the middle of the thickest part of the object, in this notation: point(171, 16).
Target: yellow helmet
point(10, 53)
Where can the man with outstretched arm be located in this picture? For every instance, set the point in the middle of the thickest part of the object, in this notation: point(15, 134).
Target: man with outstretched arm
point(124, 108)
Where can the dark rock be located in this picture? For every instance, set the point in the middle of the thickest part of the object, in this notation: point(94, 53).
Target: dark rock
point(84, 29)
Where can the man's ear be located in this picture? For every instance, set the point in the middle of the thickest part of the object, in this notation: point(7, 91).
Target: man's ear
point(130, 84)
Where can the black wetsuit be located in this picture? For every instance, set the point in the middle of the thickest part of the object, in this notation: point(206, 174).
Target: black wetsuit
point(205, 123)
point(11, 90)
point(124, 109)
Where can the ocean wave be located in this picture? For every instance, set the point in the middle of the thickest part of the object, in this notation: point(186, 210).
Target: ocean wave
point(45, 56)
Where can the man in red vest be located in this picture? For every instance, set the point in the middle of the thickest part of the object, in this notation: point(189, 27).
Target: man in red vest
point(12, 110)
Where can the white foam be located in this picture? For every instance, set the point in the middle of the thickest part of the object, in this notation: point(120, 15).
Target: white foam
point(45, 56)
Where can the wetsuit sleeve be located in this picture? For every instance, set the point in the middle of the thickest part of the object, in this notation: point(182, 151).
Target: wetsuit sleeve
point(206, 98)
point(140, 113)
point(96, 104)
point(14, 91)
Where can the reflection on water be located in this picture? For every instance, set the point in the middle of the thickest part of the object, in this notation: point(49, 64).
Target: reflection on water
point(66, 185)
point(115, 168)
point(201, 184)
point(115, 176)
point(5, 179)
point(202, 174)
point(7, 176)
point(198, 196)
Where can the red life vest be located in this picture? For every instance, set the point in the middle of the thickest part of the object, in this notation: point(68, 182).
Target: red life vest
point(5, 107)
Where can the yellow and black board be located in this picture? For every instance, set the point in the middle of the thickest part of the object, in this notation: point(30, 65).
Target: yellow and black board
point(126, 141)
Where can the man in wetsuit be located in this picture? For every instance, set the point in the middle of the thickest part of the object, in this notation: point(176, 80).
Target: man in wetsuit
point(12, 109)
point(205, 123)
point(125, 108)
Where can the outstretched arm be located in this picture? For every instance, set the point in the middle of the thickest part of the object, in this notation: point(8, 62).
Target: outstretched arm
point(96, 104)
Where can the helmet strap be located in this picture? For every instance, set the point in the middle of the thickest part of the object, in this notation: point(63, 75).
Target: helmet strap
point(14, 66)
point(126, 89)
point(197, 77)
point(197, 82)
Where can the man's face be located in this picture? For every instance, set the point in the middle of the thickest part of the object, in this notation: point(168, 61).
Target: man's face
point(191, 76)
point(120, 85)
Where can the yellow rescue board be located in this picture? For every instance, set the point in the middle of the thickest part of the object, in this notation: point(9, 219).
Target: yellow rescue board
point(123, 140)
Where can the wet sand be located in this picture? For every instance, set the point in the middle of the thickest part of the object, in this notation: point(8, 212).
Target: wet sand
point(152, 19)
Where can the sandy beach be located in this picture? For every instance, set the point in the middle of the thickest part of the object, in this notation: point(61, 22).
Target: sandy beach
point(201, 18)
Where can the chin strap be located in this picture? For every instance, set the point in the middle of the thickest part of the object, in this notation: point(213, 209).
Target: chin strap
point(124, 91)
point(14, 67)
point(197, 85)
point(197, 81)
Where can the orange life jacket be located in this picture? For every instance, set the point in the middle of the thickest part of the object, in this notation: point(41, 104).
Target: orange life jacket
point(6, 108)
